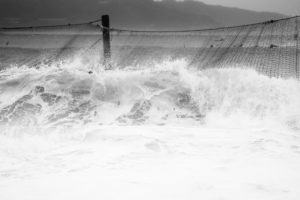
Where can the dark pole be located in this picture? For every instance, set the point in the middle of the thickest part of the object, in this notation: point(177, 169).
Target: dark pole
point(106, 41)
point(297, 50)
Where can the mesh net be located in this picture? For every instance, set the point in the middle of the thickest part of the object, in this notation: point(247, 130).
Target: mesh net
point(36, 46)
point(272, 48)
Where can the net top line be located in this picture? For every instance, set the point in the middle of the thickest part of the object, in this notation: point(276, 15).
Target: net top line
point(51, 26)
point(200, 30)
point(146, 31)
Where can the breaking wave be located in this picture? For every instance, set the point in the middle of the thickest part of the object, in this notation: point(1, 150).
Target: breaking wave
point(69, 96)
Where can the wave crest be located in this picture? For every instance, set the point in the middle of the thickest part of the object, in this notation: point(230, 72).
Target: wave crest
point(166, 94)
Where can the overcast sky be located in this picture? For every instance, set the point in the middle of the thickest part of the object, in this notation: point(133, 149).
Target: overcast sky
point(288, 7)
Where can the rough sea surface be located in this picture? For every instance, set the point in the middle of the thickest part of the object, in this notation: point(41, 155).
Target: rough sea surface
point(162, 132)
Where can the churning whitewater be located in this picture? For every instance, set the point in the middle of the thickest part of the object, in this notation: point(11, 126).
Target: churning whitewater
point(167, 94)
point(161, 132)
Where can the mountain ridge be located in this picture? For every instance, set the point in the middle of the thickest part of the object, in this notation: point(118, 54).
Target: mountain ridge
point(133, 14)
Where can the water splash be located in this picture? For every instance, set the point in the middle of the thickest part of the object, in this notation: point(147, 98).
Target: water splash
point(168, 93)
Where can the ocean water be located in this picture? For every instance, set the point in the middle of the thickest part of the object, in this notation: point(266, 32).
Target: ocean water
point(161, 132)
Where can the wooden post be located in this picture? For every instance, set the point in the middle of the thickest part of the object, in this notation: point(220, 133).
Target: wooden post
point(297, 50)
point(106, 41)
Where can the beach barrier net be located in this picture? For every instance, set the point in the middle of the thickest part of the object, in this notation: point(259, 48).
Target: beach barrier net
point(271, 47)
point(48, 45)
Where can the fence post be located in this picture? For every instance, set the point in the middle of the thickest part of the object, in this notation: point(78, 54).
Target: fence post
point(297, 50)
point(106, 41)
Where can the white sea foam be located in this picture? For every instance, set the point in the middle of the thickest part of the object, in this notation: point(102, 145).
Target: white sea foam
point(160, 95)
point(162, 132)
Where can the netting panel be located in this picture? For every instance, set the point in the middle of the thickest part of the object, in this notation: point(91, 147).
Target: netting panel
point(271, 48)
point(48, 45)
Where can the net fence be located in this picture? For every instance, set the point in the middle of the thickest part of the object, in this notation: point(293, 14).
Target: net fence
point(272, 47)
point(48, 45)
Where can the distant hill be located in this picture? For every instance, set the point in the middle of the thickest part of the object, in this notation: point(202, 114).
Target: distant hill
point(135, 14)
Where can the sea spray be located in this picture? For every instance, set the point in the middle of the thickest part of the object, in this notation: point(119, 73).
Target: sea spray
point(168, 93)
